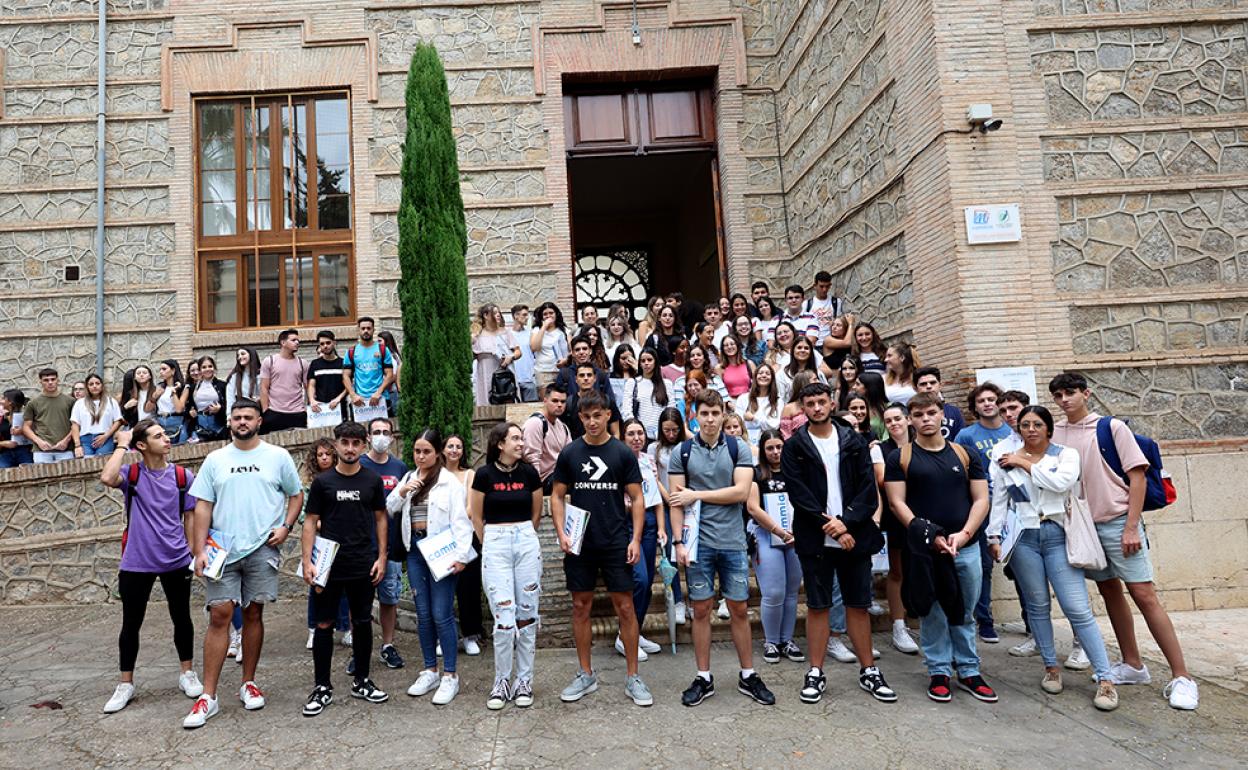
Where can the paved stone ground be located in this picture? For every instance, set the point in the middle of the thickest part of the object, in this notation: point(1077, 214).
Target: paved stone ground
point(68, 655)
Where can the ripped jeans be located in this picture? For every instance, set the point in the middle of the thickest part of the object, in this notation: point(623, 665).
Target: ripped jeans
point(511, 570)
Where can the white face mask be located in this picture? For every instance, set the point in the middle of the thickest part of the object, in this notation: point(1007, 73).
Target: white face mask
point(381, 443)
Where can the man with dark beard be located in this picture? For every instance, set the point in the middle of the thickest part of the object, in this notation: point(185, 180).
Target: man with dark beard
point(249, 492)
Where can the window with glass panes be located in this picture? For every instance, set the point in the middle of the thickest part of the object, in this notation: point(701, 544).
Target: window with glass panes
point(274, 245)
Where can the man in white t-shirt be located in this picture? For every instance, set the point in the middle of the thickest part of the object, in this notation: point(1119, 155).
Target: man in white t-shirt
point(795, 313)
point(248, 491)
point(824, 307)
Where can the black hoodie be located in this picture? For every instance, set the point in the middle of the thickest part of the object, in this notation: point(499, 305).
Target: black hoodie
point(808, 490)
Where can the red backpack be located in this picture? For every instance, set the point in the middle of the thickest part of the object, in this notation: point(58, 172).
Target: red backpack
point(132, 482)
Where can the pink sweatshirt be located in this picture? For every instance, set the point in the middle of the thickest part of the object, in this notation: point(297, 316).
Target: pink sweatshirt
point(1105, 491)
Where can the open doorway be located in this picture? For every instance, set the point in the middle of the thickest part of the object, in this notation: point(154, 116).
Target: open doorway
point(643, 185)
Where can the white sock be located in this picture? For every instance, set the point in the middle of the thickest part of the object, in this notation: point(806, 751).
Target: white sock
point(899, 624)
point(815, 670)
point(746, 673)
point(705, 675)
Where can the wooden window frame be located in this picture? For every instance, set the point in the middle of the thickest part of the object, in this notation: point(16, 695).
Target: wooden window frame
point(246, 246)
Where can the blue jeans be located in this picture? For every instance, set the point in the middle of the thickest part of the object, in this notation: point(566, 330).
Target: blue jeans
point(341, 623)
point(946, 647)
point(983, 607)
point(18, 455)
point(1039, 561)
point(779, 577)
point(175, 427)
point(435, 612)
point(678, 593)
point(836, 613)
point(88, 450)
point(644, 569)
point(732, 568)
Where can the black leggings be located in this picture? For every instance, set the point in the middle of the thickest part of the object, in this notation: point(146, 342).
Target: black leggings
point(468, 596)
point(359, 593)
point(136, 589)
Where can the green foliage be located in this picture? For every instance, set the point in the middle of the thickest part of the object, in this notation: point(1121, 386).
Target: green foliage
point(436, 376)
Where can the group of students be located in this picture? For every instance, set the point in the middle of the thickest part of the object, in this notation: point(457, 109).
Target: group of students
point(192, 404)
point(707, 501)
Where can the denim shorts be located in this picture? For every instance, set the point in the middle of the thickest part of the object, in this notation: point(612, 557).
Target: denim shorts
point(252, 578)
point(1137, 568)
point(391, 584)
point(732, 567)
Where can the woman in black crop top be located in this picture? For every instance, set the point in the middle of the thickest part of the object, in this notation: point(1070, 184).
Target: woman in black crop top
point(505, 505)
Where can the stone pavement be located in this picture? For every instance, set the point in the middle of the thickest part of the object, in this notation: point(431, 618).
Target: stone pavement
point(68, 655)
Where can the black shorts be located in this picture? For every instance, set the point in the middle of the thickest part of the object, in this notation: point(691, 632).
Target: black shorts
point(274, 421)
point(612, 563)
point(851, 570)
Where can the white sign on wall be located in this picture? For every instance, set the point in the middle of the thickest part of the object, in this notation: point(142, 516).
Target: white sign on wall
point(997, 223)
point(1010, 378)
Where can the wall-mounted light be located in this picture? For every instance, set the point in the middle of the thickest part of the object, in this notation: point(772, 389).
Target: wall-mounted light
point(980, 117)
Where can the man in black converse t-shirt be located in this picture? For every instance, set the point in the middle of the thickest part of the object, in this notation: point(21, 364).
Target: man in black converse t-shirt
point(349, 503)
point(597, 470)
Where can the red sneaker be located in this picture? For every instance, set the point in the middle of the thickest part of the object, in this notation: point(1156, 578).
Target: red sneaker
point(938, 689)
point(977, 687)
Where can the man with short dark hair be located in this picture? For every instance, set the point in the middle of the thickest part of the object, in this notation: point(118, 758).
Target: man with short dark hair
point(1011, 403)
point(758, 290)
point(283, 379)
point(714, 471)
point(522, 367)
point(594, 473)
point(713, 315)
point(347, 505)
point(939, 492)
point(391, 469)
point(46, 420)
point(927, 380)
point(248, 490)
point(545, 435)
point(831, 484)
point(580, 353)
point(368, 370)
point(1117, 507)
point(824, 307)
point(586, 374)
point(795, 312)
point(326, 389)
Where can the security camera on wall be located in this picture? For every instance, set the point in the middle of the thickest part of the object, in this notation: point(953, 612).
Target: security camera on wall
point(980, 116)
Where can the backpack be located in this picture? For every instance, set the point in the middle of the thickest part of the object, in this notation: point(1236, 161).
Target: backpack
point(1160, 491)
point(503, 387)
point(907, 452)
point(350, 360)
point(132, 481)
point(545, 423)
point(686, 447)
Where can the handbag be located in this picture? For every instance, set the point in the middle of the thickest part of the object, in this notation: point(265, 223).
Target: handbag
point(1083, 545)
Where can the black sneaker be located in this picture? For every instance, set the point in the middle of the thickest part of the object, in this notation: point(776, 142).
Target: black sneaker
point(364, 688)
point(793, 652)
point(320, 698)
point(977, 687)
point(938, 689)
point(771, 653)
point(700, 690)
point(812, 690)
point(350, 665)
point(871, 680)
point(390, 656)
point(753, 687)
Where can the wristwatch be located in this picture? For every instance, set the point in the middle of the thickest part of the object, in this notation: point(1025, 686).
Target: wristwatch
point(678, 541)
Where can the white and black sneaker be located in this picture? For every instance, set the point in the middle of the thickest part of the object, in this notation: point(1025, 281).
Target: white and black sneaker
point(321, 697)
point(365, 689)
point(871, 680)
point(771, 653)
point(815, 684)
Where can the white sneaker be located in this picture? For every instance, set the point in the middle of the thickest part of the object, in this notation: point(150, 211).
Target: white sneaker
point(190, 684)
point(311, 636)
point(876, 609)
point(348, 638)
point(447, 690)
point(1182, 693)
point(238, 656)
point(121, 697)
point(251, 696)
point(680, 612)
point(839, 652)
point(619, 647)
point(647, 646)
point(722, 610)
point(204, 709)
point(1025, 648)
point(236, 642)
point(902, 641)
point(1078, 659)
point(1121, 673)
point(471, 647)
point(424, 683)
point(1015, 627)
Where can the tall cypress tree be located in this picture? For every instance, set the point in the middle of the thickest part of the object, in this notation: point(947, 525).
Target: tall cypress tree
point(433, 284)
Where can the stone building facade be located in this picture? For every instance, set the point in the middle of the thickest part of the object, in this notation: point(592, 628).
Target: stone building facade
point(839, 130)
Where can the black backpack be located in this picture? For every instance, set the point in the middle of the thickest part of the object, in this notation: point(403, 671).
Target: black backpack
point(503, 387)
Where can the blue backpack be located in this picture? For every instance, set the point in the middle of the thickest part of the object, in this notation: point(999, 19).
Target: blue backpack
point(1160, 491)
point(686, 447)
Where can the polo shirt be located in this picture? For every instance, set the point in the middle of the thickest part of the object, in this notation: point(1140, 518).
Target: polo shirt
point(711, 467)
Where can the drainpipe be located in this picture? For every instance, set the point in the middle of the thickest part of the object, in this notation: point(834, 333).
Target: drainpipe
point(99, 191)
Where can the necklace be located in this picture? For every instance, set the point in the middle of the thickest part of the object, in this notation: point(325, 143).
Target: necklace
point(505, 468)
